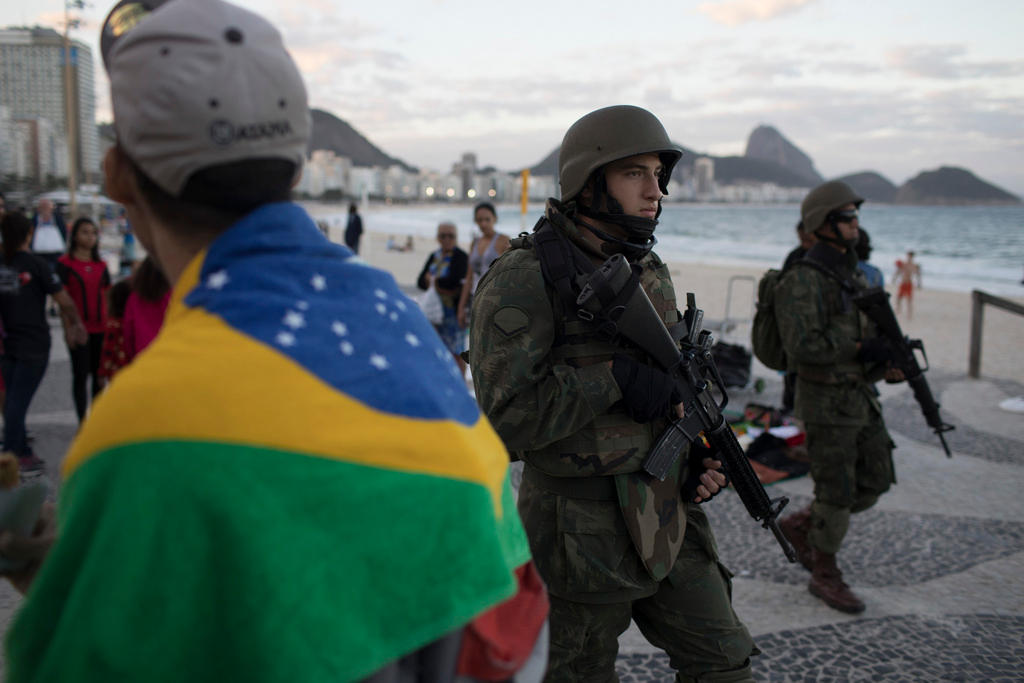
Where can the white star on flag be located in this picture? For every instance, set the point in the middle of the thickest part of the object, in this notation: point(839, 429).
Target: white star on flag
point(217, 280)
point(393, 316)
point(301, 305)
point(319, 282)
point(347, 348)
point(381, 294)
point(294, 320)
point(400, 305)
point(339, 328)
point(285, 339)
point(412, 339)
point(378, 361)
point(381, 308)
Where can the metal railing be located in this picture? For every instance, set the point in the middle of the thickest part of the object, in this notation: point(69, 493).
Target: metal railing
point(978, 301)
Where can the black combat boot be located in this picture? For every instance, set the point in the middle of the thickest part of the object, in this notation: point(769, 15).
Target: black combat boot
point(827, 583)
point(795, 528)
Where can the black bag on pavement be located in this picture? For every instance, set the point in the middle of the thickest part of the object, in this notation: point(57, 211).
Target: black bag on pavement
point(733, 361)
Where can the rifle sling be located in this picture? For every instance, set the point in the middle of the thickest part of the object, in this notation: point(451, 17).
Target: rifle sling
point(561, 262)
point(847, 286)
point(558, 263)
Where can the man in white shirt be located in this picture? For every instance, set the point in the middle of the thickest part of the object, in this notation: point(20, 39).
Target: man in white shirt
point(49, 239)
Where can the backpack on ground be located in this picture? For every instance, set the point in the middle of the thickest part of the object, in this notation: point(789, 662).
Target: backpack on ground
point(764, 335)
point(733, 363)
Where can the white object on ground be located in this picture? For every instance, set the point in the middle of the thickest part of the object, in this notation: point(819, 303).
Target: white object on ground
point(1013, 405)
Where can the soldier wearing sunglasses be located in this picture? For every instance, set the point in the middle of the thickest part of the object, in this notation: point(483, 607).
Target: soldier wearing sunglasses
point(837, 356)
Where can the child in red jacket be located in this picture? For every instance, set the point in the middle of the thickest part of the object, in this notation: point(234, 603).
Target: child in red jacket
point(86, 280)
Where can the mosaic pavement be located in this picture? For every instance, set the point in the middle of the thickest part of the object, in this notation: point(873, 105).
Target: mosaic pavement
point(957, 648)
point(938, 561)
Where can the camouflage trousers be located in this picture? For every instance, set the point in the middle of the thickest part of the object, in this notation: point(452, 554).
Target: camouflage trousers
point(690, 618)
point(851, 467)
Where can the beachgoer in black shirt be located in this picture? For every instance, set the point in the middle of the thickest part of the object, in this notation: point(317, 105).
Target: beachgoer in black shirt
point(25, 281)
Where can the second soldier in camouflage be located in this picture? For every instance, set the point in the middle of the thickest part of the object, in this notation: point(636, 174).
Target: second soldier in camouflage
point(837, 355)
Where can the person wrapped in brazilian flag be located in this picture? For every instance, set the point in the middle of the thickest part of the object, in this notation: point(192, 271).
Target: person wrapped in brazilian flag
point(292, 482)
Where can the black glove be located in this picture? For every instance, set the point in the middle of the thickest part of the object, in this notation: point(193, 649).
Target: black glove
point(876, 350)
point(695, 465)
point(647, 392)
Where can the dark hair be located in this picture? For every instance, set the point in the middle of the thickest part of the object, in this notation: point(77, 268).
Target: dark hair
point(352, 208)
point(117, 297)
point(95, 253)
point(863, 247)
point(149, 281)
point(485, 205)
point(14, 230)
point(216, 197)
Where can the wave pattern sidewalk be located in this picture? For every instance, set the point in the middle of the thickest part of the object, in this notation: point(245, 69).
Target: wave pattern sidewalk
point(939, 561)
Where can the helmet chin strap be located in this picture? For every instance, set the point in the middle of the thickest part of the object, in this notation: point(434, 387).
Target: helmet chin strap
point(616, 245)
point(639, 231)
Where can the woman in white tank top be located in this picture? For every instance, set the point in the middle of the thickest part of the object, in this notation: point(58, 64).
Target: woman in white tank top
point(484, 250)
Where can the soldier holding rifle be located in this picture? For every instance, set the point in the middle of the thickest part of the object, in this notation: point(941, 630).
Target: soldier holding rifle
point(583, 409)
point(838, 354)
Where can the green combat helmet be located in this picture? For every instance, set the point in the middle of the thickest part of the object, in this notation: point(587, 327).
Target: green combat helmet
point(599, 138)
point(607, 135)
point(823, 200)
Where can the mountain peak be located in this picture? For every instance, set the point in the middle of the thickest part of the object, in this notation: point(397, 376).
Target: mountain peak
point(952, 185)
point(767, 144)
point(871, 185)
point(332, 133)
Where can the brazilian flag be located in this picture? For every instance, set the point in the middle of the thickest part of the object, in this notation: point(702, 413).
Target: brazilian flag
point(291, 483)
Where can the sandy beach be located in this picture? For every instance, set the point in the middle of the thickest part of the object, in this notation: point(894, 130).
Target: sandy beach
point(942, 319)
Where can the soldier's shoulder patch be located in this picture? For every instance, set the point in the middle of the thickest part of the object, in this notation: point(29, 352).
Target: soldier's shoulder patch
point(511, 320)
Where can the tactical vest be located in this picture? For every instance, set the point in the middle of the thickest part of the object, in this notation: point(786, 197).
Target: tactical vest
point(847, 318)
point(837, 393)
point(652, 510)
point(613, 438)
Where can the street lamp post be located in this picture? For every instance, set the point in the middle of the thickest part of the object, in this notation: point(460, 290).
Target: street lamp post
point(70, 127)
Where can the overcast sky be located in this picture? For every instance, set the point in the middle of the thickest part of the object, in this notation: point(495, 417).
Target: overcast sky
point(896, 86)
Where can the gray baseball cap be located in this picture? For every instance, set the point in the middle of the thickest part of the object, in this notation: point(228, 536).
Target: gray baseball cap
point(199, 83)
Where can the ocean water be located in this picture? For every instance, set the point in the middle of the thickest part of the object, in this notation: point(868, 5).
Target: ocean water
point(959, 248)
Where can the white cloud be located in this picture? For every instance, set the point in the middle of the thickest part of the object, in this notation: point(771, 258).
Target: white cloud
point(736, 12)
point(947, 62)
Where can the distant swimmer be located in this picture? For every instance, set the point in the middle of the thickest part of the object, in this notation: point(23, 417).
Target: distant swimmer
point(906, 272)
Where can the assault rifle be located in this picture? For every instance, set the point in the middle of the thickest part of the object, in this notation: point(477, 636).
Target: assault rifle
point(874, 303)
point(614, 300)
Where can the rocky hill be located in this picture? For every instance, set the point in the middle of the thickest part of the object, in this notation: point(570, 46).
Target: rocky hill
point(769, 157)
point(330, 132)
point(767, 144)
point(548, 165)
point(872, 186)
point(736, 170)
point(951, 185)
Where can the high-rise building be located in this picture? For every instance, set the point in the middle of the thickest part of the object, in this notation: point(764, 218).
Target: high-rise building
point(32, 86)
point(704, 174)
point(46, 150)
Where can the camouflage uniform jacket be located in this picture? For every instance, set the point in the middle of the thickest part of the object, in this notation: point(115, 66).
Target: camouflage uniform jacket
point(820, 329)
point(543, 379)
